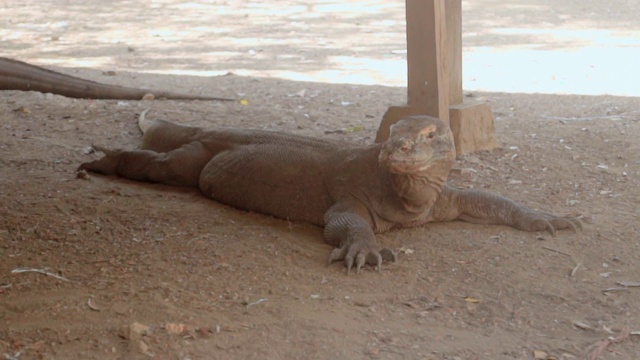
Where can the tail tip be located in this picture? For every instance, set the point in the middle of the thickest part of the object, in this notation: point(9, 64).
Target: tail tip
point(143, 123)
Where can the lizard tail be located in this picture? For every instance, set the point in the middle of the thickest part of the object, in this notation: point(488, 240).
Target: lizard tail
point(143, 123)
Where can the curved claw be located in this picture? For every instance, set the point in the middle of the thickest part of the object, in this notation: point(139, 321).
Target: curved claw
point(360, 258)
point(549, 227)
point(354, 255)
point(568, 222)
point(106, 165)
point(348, 262)
point(576, 222)
point(375, 258)
point(540, 221)
point(559, 223)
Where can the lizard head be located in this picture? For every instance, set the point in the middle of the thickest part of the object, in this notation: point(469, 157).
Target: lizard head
point(417, 144)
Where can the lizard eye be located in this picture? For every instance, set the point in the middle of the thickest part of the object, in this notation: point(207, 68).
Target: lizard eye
point(404, 148)
point(431, 134)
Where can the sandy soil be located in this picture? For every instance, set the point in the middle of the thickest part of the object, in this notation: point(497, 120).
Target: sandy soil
point(151, 271)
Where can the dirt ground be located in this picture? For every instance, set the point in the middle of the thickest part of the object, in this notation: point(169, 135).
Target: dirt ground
point(150, 271)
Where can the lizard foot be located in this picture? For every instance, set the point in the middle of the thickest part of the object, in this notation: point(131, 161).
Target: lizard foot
point(105, 165)
point(540, 221)
point(361, 253)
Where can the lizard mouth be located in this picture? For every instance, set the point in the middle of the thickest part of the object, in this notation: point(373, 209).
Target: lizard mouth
point(411, 165)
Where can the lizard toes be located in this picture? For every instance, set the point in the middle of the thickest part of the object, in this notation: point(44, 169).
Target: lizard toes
point(576, 222)
point(374, 258)
point(337, 254)
point(569, 222)
point(559, 223)
point(352, 254)
point(348, 262)
point(542, 224)
point(563, 223)
point(389, 255)
point(360, 260)
point(357, 256)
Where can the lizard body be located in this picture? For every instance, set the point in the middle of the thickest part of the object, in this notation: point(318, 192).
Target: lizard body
point(353, 191)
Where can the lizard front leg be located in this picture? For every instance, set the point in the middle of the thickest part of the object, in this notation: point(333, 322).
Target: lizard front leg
point(353, 237)
point(482, 207)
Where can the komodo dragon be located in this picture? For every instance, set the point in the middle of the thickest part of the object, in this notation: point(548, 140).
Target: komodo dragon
point(18, 75)
point(354, 191)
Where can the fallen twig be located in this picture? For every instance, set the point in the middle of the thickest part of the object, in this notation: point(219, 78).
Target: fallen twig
point(16, 356)
point(575, 269)
point(53, 142)
point(594, 351)
point(615, 289)
point(256, 302)
point(556, 251)
point(602, 117)
point(40, 271)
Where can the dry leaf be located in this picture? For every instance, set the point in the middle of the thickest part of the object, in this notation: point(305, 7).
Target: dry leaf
point(540, 355)
point(406, 250)
point(351, 129)
point(92, 305)
point(175, 329)
point(22, 109)
point(471, 300)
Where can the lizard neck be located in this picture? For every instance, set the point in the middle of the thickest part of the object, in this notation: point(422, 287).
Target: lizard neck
point(418, 191)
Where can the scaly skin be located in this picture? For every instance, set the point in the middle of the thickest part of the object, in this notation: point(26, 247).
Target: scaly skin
point(353, 191)
point(18, 75)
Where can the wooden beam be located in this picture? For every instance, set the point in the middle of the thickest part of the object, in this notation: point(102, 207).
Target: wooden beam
point(453, 55)
point(426, 47)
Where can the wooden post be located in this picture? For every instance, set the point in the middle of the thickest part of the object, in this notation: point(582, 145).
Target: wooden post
point(426, 79)
point(426, 47)
point(434, 71)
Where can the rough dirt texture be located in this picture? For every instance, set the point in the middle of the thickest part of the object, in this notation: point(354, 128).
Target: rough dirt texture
point(212, 282)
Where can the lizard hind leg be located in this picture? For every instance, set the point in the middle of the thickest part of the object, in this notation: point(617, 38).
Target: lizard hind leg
point(164, 136)
point(179, 167)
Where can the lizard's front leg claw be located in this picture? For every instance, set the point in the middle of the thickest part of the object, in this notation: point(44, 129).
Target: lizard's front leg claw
point(361, 253)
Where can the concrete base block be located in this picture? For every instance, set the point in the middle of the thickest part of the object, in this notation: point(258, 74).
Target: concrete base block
point(472, 125)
